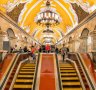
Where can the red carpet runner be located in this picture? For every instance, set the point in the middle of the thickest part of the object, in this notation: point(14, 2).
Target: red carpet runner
point(47, 74)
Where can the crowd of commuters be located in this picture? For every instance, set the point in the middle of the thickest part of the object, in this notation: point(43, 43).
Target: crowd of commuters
point(45, 49)
point(20, 50)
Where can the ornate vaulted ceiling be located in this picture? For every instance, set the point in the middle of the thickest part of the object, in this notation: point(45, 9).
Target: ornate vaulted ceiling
point(24, 12)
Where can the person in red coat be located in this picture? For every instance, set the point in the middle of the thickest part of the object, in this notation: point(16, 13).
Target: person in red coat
point(48, 48)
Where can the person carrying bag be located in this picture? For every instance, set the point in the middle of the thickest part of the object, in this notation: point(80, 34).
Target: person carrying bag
point(64, 52)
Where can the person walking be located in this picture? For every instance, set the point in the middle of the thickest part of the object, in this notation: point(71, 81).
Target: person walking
point(25, 49)
point(48, 48)
point(33, 50)
point(56, 50)
point(64, 52)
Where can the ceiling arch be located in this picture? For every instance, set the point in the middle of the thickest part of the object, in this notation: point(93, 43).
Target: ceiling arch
point(39, 34)
point(28, 14)
point(64, 8)
point(30, 10)
point(31, 7)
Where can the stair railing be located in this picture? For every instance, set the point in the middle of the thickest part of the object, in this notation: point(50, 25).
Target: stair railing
point(86, 72)
point(3, 82)
point(17, 71)
point(59, 77)
point(75, 65)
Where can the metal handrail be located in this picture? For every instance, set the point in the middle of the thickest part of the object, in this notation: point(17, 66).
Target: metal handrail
point(81, 81)
point(59, 76)
point(5, 79)
point(37, 63)
point(91, 82)
point(85, 71)
point(17, 71)
point(58, 70)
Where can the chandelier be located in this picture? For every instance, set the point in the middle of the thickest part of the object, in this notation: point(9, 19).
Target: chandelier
point(48, 16)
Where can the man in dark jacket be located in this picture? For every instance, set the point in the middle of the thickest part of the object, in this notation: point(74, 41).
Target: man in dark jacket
point(64, 52)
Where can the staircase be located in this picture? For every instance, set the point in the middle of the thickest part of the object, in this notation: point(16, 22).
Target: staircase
point(25, 77)
point(69, 77)
point(73, 57)
point(7, 86)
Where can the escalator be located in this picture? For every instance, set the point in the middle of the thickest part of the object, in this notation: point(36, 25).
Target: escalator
point(25, 77)
point(12, 70)
point(69, 77)
point(74, 58)
point(11, 77)
point(8, 65)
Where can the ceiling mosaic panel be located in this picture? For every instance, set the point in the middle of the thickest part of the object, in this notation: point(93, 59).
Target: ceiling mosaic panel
point(24, 11)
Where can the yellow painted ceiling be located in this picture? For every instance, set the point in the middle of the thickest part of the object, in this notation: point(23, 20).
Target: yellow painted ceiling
point(32, 7)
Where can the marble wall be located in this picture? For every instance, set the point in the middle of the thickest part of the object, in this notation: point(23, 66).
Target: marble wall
point(20, 34)
point(87, 43)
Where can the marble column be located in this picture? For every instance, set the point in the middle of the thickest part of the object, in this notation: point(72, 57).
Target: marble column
point(93, 36)
point(13, 42)
point(73, 45)
point(1, 42)
point(3, 37)
point(83, 44)
point(70, 47)
point(77, 45)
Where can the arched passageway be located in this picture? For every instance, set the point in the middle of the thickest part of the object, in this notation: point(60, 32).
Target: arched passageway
point(11, 37)
point(83, 40)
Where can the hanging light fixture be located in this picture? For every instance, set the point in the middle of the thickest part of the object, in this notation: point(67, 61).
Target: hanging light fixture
point(48, 16)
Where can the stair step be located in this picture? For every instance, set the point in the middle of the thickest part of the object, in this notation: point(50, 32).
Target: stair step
point(25, 75)
point(22, 86)
point(65, 64)
point(66, 67)
point(68, 71)
point(29, 64)
point(72, 89)
point(71, 83)
point(70, 78)
point(26, 72)
point(68, 74)
point(22, 80)
point(28, 69)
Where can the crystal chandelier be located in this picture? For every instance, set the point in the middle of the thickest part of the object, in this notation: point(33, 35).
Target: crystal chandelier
point(48, 16)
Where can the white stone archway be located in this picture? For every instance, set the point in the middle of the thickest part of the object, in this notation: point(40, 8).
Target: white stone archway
point(83, 40)
point(11, 36)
